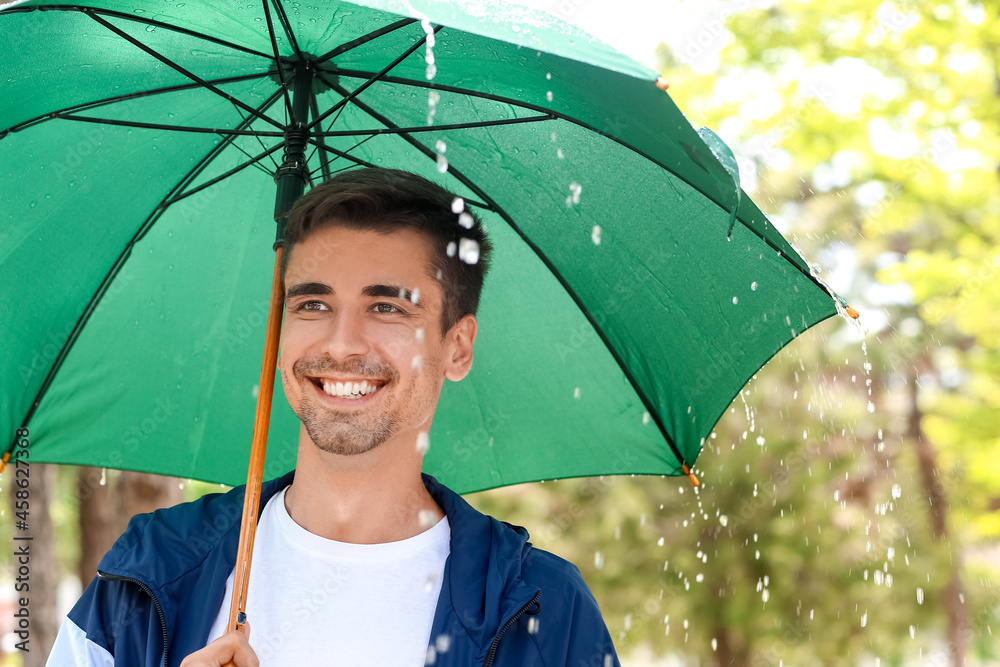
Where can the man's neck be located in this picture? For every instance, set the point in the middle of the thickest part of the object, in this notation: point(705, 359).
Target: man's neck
point(369, 498)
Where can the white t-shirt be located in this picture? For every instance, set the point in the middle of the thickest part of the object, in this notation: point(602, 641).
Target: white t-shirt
point(316, 601)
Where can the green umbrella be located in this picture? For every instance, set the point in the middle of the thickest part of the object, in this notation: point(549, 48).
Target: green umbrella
point(634, 289)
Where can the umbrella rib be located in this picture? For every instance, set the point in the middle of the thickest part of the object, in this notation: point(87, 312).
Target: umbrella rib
point(277, 60)
point(173, 128)
point(191, 75)
point(287, 27)
point(364, 86)
point(144, 21)
point(323, 149)
point(324, 163)
point(560, 116)
point(467, 182)
point(120, 98)
point(364, 39)
point(116, 267)
point(254, 160)
point(432, 128)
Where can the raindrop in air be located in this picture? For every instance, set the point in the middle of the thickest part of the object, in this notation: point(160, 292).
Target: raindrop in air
point(423, 442)
point(753, 286)
point(598, 560)
point(450, 250)
point(465, 220)
point(897, 491)
point(576, 393)
point(457, 205)
point(574, 194)
point(442, 164)
point(724, 520)
point(548, 96)
point(595, 235)
point(468, 251)
point(920, 596)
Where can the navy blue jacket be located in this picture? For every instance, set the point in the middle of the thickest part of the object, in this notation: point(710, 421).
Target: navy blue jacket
point(502, 603)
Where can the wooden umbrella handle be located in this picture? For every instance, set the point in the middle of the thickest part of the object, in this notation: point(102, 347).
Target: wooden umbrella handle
point(255, 473)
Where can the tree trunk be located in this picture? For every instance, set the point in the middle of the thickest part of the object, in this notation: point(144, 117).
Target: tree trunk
point(43, 568)
point(98, 521)
point(142, 492)
point(952, 594)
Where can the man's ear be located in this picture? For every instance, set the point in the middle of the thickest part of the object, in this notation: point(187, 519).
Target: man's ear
point(458, 348)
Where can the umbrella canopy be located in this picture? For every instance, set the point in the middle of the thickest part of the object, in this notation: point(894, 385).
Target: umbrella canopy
point(626, 307)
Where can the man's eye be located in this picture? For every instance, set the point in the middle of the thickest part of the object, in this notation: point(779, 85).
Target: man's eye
point(386, 308)
point(313, 306)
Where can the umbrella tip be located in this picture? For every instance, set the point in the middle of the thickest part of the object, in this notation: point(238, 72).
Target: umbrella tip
point(3, 462)
point(662, 83)
point(690, 475)
point(853, 313)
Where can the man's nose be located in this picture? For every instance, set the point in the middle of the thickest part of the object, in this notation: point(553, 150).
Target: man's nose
point(345, 336)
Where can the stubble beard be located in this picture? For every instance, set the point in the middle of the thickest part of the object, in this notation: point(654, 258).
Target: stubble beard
point(342, 432)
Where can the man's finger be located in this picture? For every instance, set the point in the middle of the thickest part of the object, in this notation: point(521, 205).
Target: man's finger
point(232, 648)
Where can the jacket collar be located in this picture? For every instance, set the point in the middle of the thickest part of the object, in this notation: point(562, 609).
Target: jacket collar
point(482, 584)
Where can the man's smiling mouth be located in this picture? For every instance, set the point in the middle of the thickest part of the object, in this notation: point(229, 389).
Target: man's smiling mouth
point(348, 388)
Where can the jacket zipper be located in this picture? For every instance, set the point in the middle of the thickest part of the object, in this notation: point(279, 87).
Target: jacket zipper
point(159, 610)
point(492, 653)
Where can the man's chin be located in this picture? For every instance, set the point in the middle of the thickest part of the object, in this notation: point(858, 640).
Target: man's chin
point(345, 442)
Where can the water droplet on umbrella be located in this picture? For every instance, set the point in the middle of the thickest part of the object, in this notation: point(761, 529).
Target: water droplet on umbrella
point(548, 95)
point(645, 418)
point(468, 251)
point(736, 300)
point(441, 146)
point(150, 28)
point(466, 220)
point(548, 75)
point(442, 164)
point(595, 235)
point(560, 154)
point(457, 205)
point(423, 442)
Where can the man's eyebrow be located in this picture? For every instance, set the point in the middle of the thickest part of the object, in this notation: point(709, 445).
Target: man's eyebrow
point(310, 289)
point(391, 291)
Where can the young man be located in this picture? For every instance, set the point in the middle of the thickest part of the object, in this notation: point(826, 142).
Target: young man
point(358, 559)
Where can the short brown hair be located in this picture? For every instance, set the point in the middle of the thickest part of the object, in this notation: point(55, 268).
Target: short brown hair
point(385, 200)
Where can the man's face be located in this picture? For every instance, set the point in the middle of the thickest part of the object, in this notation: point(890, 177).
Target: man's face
point(362, 355)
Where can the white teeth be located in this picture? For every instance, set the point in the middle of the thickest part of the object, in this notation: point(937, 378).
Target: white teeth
point(349, 389)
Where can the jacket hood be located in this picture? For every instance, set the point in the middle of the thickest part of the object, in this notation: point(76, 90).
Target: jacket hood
point(492, 551)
